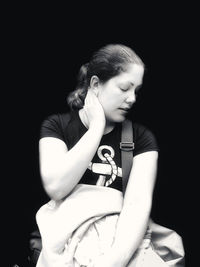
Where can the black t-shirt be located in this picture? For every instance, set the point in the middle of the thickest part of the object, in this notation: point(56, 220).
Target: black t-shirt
point(105, 167)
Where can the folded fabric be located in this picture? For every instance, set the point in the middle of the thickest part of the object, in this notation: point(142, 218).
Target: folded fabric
point(81, 227)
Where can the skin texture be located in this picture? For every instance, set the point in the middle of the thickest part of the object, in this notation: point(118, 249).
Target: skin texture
point(117, 95)
point(120, 92)
point(105, 104)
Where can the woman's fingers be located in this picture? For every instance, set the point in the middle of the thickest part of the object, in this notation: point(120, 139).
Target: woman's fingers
point(91, 98)
point(93, 108)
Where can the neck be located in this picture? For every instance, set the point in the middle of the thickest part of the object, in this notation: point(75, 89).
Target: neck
point(109, 125)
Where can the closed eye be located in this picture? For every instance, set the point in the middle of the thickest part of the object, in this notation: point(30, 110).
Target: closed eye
point(124, 89)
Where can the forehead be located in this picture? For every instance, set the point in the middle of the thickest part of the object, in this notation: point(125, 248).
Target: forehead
point(133, 74)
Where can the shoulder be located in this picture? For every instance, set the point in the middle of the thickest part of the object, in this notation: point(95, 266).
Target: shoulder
point(140, 129)
point(58, 118)
point(144, 139)
point(53, 125)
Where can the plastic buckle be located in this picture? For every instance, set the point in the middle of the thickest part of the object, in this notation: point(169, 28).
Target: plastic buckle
point(126, 146)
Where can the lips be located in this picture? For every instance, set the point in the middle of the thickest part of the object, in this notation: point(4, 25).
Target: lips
point(125, 109)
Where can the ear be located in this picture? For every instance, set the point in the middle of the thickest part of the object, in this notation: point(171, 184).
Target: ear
point(94, 84)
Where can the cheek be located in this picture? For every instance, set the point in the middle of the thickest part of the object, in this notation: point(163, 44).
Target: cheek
point(108, 101)
point(104, 97)
point(111, 97)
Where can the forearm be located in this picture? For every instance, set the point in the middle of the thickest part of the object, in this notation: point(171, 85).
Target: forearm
point(131, 228)
point(61, 175)
point(134, 217)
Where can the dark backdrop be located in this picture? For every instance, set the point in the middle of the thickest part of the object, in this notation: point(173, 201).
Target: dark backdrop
point(44, 56)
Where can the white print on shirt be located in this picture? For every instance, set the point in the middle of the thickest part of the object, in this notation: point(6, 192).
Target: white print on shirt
point(107, 167)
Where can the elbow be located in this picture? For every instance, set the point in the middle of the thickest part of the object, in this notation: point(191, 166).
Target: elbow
point(53, 192)
point(56, 183)
point(51, 186)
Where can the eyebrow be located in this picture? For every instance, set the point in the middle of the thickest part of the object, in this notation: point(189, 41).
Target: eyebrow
point(128, 83)
point(138, 87)
point(131, 83)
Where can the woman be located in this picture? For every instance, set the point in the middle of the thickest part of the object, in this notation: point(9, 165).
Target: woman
point(85, 149)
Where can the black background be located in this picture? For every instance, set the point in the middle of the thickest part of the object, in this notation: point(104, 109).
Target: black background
point(44, 49)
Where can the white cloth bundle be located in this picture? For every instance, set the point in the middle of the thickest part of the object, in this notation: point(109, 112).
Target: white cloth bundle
point(81, 227)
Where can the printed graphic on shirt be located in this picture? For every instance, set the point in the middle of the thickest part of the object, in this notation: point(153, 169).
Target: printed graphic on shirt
point(107, 167)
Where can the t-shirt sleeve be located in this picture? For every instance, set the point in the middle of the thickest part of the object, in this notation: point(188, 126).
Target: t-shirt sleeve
point(51, 127)
point(144, 140)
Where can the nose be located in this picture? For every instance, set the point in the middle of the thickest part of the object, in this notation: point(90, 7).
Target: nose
point(131, 98)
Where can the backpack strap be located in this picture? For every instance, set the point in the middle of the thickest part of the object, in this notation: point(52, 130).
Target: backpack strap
point(126, 146)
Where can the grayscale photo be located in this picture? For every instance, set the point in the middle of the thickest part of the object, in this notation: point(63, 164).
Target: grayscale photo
point(102, 127)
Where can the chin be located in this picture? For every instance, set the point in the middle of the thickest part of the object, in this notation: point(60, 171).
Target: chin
point(117, 119)
point(121, 119)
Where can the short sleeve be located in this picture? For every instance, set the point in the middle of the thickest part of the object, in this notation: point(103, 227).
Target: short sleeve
point(144, 140)
point(52, 127)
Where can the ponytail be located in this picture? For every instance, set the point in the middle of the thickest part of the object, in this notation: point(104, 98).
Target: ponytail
point(76, 98)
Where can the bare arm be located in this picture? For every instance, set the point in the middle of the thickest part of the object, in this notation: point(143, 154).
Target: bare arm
point(134, 216)
point(60, 168)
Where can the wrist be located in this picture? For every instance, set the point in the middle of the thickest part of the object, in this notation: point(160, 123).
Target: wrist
point(97, 125)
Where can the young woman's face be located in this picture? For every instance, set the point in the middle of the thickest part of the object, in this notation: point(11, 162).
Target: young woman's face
point(118, 94)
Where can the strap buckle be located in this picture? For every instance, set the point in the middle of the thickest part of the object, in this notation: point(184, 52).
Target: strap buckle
point(126, 146)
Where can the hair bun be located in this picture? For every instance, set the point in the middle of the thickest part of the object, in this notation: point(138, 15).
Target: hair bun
point(76, 98)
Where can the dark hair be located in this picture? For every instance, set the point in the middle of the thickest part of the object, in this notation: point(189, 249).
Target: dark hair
point(106, 63)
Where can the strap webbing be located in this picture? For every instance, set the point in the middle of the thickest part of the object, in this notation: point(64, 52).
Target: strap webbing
point(126, 147)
